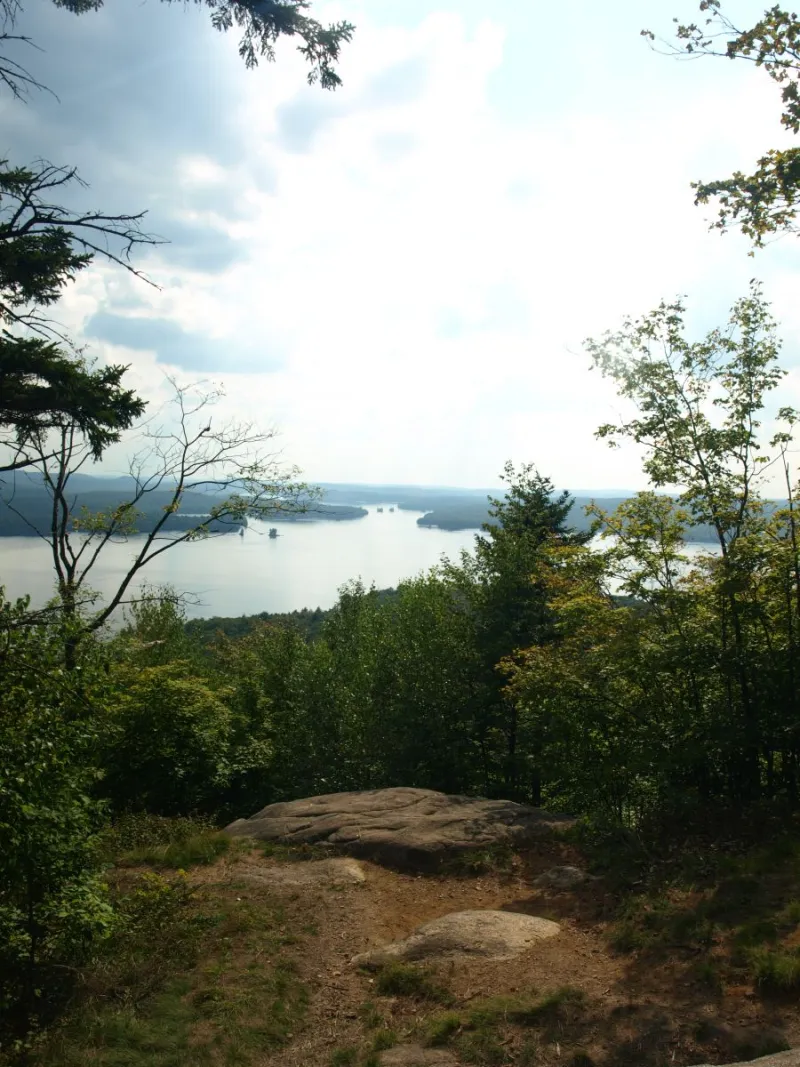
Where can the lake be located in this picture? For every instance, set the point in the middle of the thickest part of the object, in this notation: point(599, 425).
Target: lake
point(231, 575)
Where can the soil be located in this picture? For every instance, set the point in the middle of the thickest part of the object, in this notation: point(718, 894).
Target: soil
point(633, 1013)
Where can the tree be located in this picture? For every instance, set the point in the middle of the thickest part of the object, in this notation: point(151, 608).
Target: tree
point(501, 582)
point(262, 22)
point(52, 897)
point(765, 201)
point(187, 462)
point(698, 415)
point(43, 245)
point(42, 248)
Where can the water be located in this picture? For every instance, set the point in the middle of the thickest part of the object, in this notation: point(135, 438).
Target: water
point(231, 575)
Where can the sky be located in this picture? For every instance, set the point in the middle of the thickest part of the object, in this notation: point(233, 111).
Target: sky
point(397, 277)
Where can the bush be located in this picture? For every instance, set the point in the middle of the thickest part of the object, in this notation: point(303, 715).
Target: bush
point(169, 747)
point(53, 902)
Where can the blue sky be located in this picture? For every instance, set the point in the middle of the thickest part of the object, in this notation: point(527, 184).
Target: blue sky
point(399, 276)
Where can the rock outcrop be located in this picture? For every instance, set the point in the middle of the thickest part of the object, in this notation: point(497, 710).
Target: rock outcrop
point(411, 829)
point(493, 935)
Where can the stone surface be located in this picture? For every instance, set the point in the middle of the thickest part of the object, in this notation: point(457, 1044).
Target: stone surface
point(494, 935)
point(417, 1056)
point(561, 878)
point(413, 829)
point(339, 870)
point(790, 1058)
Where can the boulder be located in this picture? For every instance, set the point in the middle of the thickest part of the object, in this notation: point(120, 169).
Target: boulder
point(411, 829)
point(493, 935)
point(338, 870)
point(417, 1056)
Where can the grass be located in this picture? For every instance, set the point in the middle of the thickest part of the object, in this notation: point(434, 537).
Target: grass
point(344, 1057)
point(440, 1029)
point(776, 970)
point(142, 830)
point(484, 1034)
point(370, 1017)
point(551, 1013)
point(406, 980)
point(384, 1039)
point(737, 915)
point(294, 853)
point(187, 979)
point(495, 859)
point(179, 855)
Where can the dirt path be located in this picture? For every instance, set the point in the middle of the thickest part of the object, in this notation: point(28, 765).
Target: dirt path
point(630, 1013)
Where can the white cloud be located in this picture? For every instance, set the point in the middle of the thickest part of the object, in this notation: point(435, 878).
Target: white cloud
point(426, 269)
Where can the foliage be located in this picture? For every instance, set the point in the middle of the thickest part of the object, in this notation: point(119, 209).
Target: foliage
point(506, 601)
point(43, 383)
point(765, 201)
point(262, 23)
point(168, 744)
point(52, 897)
point(132, 831)
point(683, 699)
point(221, 985)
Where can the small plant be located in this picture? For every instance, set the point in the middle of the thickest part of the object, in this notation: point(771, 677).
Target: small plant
point(344, 1057)
point(196, 850)
point(580, 1058)
point(757, 932)
point(707, 973)
point(790, 914)
point(495, 859)
point(482, 1047)
point(735, 899)
point(406, 980)
point(776, 971)
point(137, 829)
point(293, 853)
point(384, 1039)
point(441, 1028)
point(370, 1016)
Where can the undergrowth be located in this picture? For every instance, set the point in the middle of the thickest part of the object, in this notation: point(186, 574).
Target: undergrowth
point(187, 978)
point(485, 1032)
point(736, 909)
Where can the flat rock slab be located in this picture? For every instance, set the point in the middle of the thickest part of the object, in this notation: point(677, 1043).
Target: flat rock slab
point(417, 1056)
point(411, 829)
point(494, 935)
point(790, 1058)
point(338, 871)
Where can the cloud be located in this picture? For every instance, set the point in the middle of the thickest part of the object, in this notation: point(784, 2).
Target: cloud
point(401, 274)
point(173, 345)
point(194, 245)
point(401, 83)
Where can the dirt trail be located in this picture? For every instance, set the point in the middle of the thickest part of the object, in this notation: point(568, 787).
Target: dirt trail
point(636, 1014)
